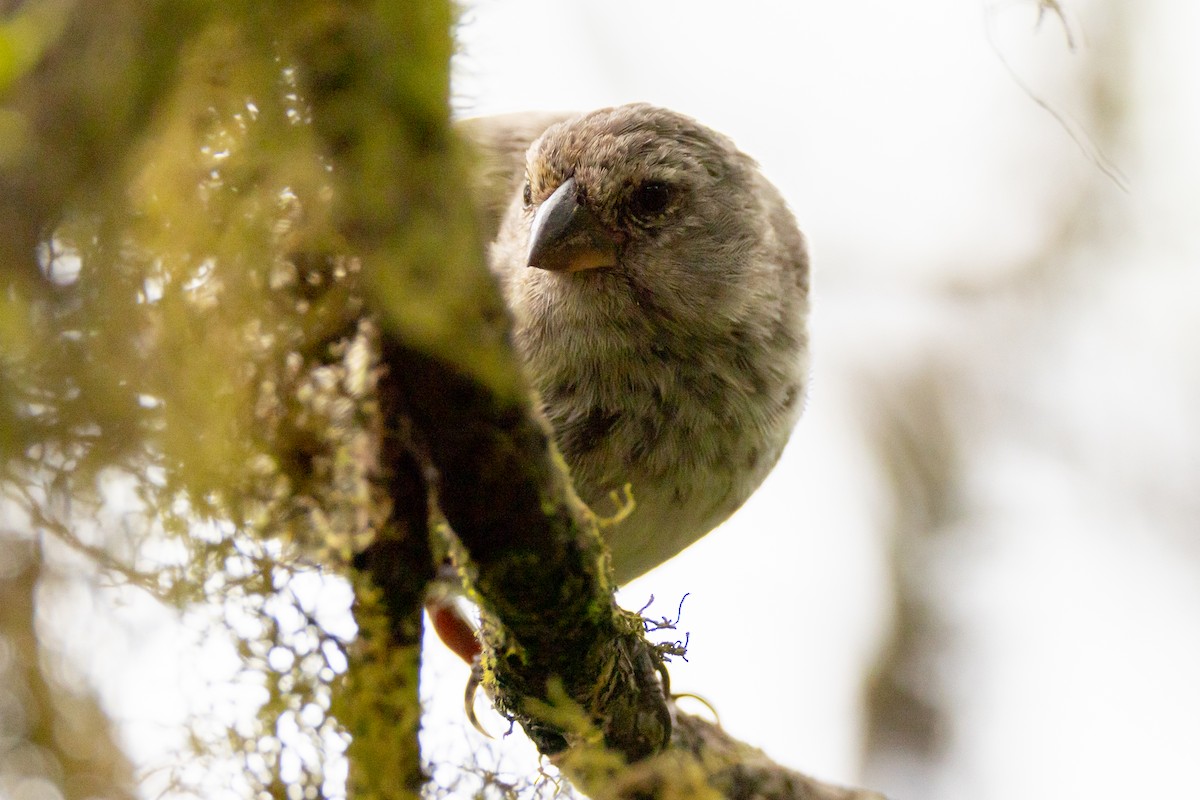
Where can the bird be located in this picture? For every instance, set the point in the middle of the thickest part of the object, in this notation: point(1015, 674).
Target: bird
point(658, 286)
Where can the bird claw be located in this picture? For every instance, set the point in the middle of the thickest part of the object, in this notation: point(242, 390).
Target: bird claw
point(700, 699)
point(665, 677)
point(473, 684)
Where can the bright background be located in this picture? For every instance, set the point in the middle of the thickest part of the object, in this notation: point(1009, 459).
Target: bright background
point(998, 475)
point(1003, 418)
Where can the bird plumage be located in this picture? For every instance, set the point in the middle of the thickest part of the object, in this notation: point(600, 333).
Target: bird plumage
point(666, 336)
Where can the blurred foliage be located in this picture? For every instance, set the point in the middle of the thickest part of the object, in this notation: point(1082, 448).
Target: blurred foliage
point(176, 342)
point(55, 741)
point(24, 37)
point(191, 360)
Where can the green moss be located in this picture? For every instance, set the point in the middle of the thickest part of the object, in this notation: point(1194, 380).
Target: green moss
point(377, 703)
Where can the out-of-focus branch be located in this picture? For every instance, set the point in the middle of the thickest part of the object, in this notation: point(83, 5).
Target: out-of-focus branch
point(736, 769)
point(378, 701)
point(702, 763)
point(47, 732)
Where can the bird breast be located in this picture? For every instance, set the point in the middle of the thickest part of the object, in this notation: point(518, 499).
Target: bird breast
point(691, 423)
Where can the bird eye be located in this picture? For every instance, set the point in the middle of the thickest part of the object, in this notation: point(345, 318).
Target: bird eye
point(527, 194)
point(649, 200)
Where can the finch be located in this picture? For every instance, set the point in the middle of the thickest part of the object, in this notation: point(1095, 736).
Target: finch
point(658, 286)
point(659, 289)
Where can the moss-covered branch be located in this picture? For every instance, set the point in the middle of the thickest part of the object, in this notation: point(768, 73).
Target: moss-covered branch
point(403, 207)
point(378, 701)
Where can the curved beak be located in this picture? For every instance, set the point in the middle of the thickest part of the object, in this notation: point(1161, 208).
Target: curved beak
point(567, 237)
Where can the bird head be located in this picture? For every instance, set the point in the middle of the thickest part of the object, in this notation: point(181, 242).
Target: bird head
point(613, 184)
point(658, 287)
point(642, 205)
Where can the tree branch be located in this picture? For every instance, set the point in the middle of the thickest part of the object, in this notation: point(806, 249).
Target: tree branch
point(50, 732)
point(378, 701)
point(401, 188)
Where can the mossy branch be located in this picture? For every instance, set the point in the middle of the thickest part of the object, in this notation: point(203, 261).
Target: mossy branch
point(402, 205)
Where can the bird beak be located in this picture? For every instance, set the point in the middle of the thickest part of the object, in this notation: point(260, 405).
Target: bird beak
point(567, 237)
